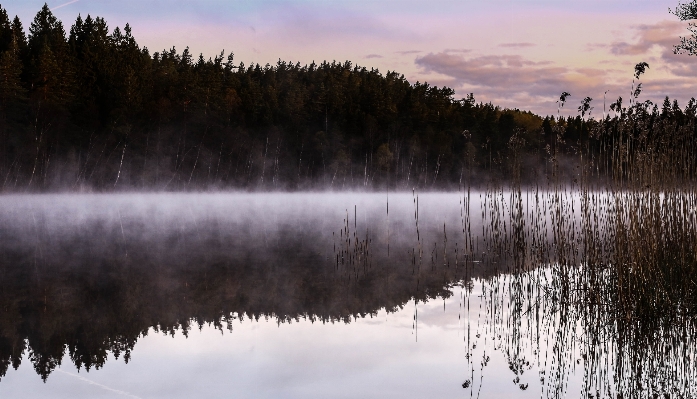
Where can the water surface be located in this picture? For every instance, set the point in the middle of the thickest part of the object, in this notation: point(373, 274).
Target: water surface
point(309, 295)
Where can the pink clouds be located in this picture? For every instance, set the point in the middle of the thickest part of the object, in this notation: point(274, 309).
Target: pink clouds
point(663, 35)
point(656, 41)
point(509, 79)
point(519, 81)
point(489, 70)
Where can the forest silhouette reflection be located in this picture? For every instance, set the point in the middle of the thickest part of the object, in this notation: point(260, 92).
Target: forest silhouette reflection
point(89, 279)
point(566, 281)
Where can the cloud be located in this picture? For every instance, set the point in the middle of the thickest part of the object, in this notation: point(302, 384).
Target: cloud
point(407, 52)
point(675, 88)
point(517, 45)
point(329, 23)
point(592, 72)
point(490, 70)
point(659, 37)
point(373, 56)
point(512, 80)
point(518, 81)
point(662, 36)
point(597, 46)
point(457, 50)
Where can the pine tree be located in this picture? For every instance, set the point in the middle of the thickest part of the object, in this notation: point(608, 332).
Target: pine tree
point(50, 74)
point(10, 61)
point(12, 93)
point(20, 39)
point(10, 73)
point(5, 31)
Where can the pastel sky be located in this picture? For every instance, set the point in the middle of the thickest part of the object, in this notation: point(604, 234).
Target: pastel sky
point(514, 53)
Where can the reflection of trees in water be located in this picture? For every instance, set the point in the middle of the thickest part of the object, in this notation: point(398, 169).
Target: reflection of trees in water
point(597, 284)
point(87, 295)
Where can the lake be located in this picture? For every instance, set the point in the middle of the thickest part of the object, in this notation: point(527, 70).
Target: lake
point(472, 294)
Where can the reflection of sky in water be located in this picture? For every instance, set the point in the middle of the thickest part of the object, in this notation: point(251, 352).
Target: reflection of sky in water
point(371, 357)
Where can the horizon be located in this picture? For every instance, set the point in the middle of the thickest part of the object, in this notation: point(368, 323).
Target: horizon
point(512, 55)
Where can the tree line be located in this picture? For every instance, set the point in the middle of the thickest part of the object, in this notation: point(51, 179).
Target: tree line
point(90, 109)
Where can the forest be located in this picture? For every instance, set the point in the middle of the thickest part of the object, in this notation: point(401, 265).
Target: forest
point(90, 110)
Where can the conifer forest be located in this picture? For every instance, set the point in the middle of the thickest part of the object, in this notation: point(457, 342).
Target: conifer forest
point(88, 109)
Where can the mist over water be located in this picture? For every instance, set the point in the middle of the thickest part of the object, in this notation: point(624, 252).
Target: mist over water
point(181, 227)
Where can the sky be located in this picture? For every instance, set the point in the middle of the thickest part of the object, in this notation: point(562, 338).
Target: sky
point(513, 53)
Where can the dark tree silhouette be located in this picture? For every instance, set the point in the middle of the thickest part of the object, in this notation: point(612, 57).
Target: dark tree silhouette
point(686, 12)
point(96, 111)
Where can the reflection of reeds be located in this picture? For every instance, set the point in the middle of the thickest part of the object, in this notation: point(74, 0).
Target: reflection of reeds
point(354, 254)
point(600, 275)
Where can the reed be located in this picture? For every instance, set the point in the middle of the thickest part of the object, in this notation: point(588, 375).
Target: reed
point(598, 273)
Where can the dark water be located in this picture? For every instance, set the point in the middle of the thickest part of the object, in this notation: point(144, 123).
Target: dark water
point(312, 295)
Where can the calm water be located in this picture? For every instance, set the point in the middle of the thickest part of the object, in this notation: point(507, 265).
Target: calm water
point(294, 295)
